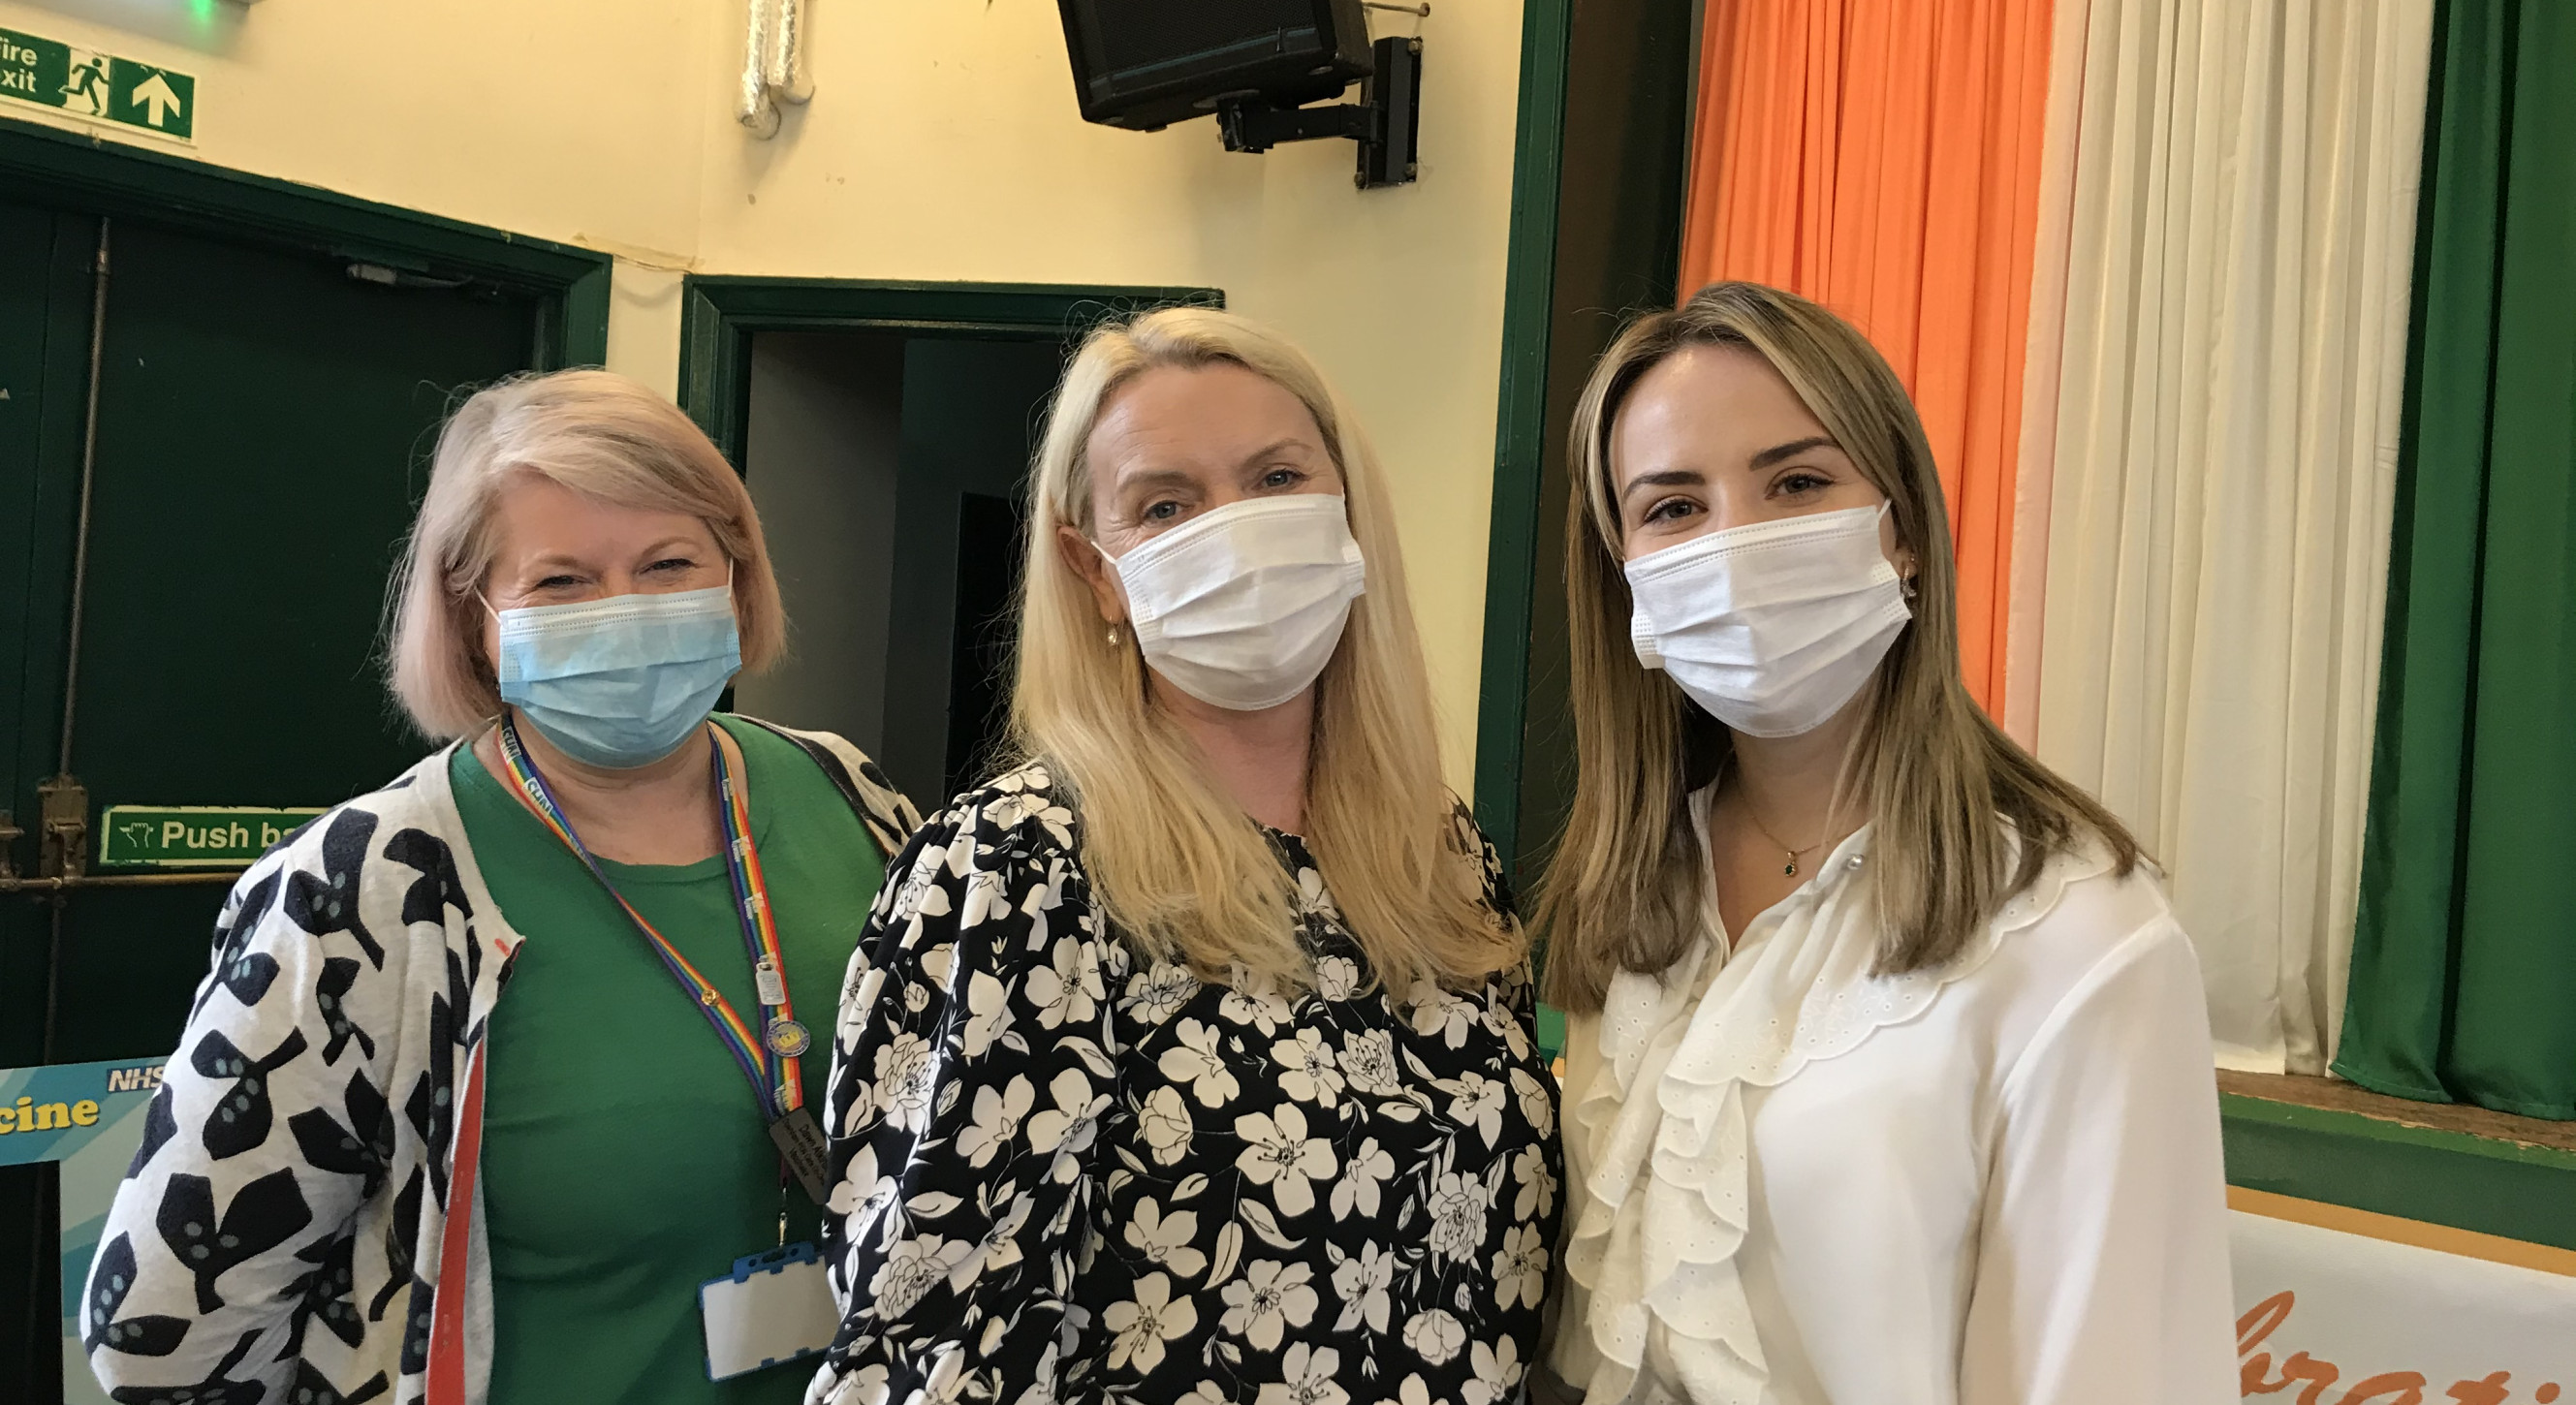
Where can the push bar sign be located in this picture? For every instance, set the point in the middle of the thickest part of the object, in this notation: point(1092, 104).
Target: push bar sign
point(192, 836)
point(97, 87)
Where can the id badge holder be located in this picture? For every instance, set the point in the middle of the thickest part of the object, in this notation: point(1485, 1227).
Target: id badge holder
point(774, 1307)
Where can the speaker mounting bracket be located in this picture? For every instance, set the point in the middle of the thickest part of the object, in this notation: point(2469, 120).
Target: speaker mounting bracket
point(1386, 122)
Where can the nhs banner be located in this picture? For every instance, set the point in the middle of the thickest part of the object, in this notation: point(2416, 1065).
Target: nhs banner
point(89, 1118)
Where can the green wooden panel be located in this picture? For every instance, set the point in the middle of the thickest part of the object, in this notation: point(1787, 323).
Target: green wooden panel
point(1529, 280)
point(574, 330)
point(1597, 221)
point(2447, 1178)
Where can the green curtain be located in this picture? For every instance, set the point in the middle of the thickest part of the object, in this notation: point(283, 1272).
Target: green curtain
point(2464, 958)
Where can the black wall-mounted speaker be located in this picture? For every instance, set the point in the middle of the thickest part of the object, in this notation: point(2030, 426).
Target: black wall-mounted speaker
point(1145, 64)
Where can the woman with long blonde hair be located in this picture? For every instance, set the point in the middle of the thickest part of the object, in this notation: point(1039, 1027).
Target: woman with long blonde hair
point(1191, 1060)
point(1888, 1074)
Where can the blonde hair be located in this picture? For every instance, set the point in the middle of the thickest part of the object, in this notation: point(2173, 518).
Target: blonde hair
point(1624, 888)
point(1174, 862)
point(598, 434)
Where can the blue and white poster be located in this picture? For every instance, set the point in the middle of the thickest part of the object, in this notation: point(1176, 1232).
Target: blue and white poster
point(89, 1117)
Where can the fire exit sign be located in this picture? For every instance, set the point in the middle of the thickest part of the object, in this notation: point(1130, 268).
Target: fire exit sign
point(96, 86)
point(191, 836)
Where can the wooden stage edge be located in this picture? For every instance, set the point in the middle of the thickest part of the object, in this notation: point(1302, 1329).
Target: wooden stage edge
point(2335, 1095)
point(2396, 1230)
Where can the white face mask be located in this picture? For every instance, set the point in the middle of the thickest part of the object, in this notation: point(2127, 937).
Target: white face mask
point(1774, 626)
point(1242, 608)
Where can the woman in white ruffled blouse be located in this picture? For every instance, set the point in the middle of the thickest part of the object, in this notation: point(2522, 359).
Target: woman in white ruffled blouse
point(1888, 1077)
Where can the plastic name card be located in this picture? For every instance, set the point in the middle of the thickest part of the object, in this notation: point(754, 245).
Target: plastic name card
point(773, 1307)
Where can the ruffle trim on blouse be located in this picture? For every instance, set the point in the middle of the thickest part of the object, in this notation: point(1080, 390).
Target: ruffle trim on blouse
point(1678, 1159)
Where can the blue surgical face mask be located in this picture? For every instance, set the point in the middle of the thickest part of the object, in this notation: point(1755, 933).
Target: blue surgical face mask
point(620, 682)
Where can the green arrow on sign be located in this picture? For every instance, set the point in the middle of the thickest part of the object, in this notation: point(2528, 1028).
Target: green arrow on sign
point(97, 87)
point(157, 99)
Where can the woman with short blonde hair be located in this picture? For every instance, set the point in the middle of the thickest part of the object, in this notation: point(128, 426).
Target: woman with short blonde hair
point(599, 435)
point(1191, 1058)
point(1887, 1071)
point(667, 894)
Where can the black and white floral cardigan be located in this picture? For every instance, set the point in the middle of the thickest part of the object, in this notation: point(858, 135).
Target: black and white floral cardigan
point(1067, 1174)
point(283, 1234)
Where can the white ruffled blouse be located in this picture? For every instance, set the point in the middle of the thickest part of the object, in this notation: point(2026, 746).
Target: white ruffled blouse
point(1792, 1182)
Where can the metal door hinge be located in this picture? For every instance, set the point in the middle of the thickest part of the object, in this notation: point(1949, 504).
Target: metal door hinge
point(10, 834)
point(63, 834)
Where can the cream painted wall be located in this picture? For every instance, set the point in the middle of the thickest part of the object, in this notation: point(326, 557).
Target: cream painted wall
point(566, 119)
point(943, 143)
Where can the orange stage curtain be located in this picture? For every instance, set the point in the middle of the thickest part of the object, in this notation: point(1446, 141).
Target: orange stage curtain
point(1883, 158)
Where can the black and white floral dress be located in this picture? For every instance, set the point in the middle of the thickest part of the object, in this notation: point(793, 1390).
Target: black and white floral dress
point(1063, 1173)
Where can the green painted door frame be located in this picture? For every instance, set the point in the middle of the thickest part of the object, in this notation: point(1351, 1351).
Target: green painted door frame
point(47, 166)
point(720, 315)
point(1597, 205)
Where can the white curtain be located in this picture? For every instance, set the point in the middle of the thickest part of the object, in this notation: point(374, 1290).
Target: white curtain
point(2241, 236)
point(2035, 469)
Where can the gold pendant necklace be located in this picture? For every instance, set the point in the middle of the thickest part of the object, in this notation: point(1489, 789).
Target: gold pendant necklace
point(1789, 869)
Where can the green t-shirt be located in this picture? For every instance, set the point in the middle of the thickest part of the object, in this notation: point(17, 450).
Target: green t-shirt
point(625, 1160)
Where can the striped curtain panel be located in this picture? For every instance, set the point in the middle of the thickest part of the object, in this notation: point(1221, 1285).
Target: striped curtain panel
point(2034, 476)
point(2145, 266)
point(2465, 962)
point(1883, 158)
point(2232, 360)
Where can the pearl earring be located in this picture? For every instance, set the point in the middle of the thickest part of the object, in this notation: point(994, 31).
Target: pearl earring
point(1113, 636)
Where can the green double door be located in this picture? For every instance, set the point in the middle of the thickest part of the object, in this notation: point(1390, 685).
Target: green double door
point(264, 417)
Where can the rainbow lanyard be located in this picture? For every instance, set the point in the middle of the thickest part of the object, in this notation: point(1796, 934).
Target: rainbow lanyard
point(778, 1082)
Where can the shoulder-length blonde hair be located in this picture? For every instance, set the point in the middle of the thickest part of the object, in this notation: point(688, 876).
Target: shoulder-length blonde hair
point(1624, 888)
point(1175, 863)
point(598, 434)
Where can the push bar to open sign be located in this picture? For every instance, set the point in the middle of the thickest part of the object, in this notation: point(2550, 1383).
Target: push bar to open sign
point(192, 836)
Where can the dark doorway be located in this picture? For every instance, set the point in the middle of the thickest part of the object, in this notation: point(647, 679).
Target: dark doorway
point(890, 472)
point(989, 533)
